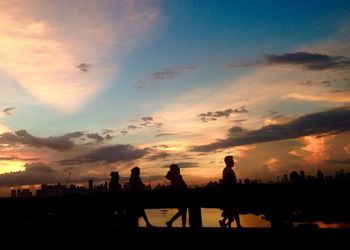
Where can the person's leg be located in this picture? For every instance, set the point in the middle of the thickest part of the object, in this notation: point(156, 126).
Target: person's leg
point(224, 214)
point(170, 222)
point(144, 216)
point(238, 222)
point(183, 216)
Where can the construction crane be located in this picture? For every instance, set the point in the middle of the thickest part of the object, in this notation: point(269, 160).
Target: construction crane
point(68, 177)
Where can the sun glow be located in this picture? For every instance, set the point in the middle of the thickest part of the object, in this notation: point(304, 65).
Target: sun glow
point(11, 166)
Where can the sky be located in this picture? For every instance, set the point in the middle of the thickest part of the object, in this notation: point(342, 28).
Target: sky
point(88, 87)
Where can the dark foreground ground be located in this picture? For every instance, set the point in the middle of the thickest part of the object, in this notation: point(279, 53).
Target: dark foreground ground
point(170, 238)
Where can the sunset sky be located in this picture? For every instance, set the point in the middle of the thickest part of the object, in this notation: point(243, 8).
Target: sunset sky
point(88, 87)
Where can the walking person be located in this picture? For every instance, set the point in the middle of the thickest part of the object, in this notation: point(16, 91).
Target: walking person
point(229, 183)
point(136, 206)
point(180, 191)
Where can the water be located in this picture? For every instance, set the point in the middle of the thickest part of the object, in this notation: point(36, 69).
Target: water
point(210, 218)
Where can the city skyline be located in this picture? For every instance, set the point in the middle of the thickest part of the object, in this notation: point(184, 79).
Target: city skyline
point(130, 83)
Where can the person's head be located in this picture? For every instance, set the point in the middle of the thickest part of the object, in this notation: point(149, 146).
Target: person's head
point(114, 175)
point(173, 172)
point(135, 171)
point(174, 168)
point(229, 161)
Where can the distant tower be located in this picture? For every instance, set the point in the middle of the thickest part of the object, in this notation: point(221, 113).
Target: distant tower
point(302, 176)
point(19, 192)
point(13, 193)
point(294, 177)
point(91, 185)
point(320, 176)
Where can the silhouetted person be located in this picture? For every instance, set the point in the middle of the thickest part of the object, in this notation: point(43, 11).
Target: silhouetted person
point(114, 185)
point(180, 190)
point(229, 182)
point(117, 211)
point(136, 207)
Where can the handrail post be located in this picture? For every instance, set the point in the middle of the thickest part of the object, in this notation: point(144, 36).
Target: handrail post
point(195, 216)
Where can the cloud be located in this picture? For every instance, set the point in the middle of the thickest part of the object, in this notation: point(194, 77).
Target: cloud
point(170, 73)
point(40, 50)
point(35, 173)
point(339, 161)
point(22, 137)
point(161, 155)
point(132, 127)
point(123, 132)
point(95, 136)
point(147, 119)
point(309, 61)
point(84, 67)
point(244, 64)
point(16, 158)
point(7, 111)
point(166, 134)
point(108, 154)
point(306, 60)
point(332, 121)
point(188, 164)
point(108, 137)
point(212, 116)
point(150, 121)
point(184, 164)
point(163, 75)
point(236, 130)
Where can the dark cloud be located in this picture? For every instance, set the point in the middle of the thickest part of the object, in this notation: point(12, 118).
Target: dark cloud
point(165, 134)
point(272, 115)
point(306, 60)
point(170, 73)
point(35, 173)
point(332, 121)
point(107, 131)
point(147, 119)
point(239, 120)
point(108, 137)
point(188, 164)
point(22, 137)
point(108, 154)
point(236, 130)
point(150, 121)
point(212, 116)
point(132, 127)
point(7, 111)
point(327, 82)
point(309, 61)
point(95, 136)
point(161, 155)
point(166, 74)
point(123, 132)
point(162, 146)
point(339, 161)
point(84, 67)
point(15, 158)
point(184, 164)
point(244, 64)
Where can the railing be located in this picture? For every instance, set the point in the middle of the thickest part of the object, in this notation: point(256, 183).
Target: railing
point(280, 204)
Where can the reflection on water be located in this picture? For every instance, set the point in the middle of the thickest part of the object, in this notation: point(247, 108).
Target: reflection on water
point(210, 218)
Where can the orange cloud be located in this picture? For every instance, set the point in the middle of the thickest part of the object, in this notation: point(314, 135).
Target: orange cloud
point(317, 146)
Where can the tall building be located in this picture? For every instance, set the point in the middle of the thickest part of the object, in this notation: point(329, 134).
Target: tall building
point(91, 185)
point(13, 193)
